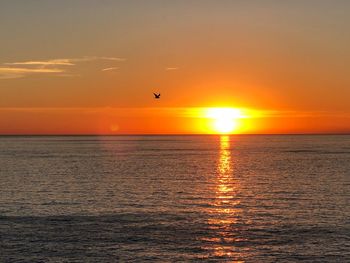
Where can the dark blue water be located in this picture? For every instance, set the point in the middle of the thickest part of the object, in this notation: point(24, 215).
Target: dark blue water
point(175, 198)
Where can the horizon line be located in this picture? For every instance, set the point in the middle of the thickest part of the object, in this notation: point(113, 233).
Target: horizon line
point(174, 134)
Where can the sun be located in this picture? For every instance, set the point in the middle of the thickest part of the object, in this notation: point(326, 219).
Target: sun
point(224, 120)
point(225, 125)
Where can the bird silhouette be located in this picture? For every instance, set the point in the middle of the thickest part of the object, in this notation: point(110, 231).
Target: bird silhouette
point(156, 96)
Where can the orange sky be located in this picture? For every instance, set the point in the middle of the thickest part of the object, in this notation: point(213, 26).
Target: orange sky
point(90, 67)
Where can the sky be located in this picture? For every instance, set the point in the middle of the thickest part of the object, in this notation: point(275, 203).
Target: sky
point(91, 66)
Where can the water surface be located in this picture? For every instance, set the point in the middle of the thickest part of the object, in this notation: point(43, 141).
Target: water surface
point(175, 198)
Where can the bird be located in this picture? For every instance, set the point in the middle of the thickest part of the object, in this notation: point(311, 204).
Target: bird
point(156, 96)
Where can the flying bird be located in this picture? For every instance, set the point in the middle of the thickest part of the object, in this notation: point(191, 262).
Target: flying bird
point(156, 96)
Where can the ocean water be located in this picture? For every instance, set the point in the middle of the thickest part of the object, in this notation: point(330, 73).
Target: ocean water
point(175, 199)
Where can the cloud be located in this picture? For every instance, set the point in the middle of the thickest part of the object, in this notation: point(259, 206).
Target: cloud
point(10, 76)
point(107, 58)
point(49, 66)
point(171, 68)
point(68, 75)
point(30, 70)
point(12, 73)
point(64, 61)
point(183, 112)
point(91, 58)
point(53, 62)
point(110, 69)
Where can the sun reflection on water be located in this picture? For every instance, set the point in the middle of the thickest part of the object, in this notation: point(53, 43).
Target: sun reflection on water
point(224, 212)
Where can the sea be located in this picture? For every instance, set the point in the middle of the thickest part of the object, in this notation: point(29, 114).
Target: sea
point(193, 198)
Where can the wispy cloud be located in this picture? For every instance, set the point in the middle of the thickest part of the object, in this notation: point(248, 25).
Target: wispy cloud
point(68, 75)
point(10, 76)
point(12, 70)
point(171, 68)
point(30, 70)
point(53, 62)
point(64, 61)
point(11, 73)
point(184, 112)
point(107, 58)
point(110, 69)
point(92, 58)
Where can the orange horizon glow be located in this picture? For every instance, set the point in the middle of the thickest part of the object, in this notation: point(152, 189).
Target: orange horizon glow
point(167, 120)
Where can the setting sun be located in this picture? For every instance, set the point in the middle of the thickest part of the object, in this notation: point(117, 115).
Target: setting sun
point(225, 120)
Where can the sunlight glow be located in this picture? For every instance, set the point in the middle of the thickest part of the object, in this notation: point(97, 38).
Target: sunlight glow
point(225, 208)
point(225, 120)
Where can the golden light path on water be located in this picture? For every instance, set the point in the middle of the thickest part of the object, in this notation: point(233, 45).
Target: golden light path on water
point(224, 213)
